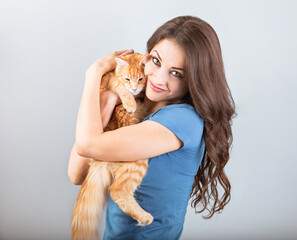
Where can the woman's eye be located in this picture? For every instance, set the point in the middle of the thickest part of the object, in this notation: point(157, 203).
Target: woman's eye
point(177, 74)
point(156, 61)
point(127, 79)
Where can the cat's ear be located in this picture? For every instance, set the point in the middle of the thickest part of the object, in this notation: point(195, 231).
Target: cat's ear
point(144, 59)
point(121, 62)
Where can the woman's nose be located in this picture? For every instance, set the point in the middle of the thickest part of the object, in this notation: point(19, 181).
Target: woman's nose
point(161, 77)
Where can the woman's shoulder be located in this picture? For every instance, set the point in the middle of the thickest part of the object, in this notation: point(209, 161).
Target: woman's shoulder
point(181, 110)
point(183, 120)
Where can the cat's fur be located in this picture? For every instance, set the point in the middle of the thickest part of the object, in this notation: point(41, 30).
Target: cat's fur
point(120, 179)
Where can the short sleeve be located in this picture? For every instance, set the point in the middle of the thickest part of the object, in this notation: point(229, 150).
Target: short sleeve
point(183, 121)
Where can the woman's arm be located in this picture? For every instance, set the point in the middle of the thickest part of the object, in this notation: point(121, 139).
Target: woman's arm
point(89, 118)
point(108, 101)
point(78, 165)
point(131, 143)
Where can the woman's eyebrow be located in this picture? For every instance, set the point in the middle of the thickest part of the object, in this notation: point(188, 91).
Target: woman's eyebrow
point(171, 67)
point(158, 55)
point(178, 68)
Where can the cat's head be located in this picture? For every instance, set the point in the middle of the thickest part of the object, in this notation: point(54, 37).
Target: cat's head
point(130, 71)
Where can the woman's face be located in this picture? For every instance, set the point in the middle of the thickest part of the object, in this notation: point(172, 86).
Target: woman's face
point(165, 72)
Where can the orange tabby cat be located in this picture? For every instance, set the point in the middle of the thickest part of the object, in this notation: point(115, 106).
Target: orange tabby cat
point(120, 179)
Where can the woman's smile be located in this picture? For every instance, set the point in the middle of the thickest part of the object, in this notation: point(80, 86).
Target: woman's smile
point(154, 88)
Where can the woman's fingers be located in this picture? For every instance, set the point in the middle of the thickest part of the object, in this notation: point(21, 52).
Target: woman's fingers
point(127, 52)
point(107, 63)
point(123, 52)
point(116, 53)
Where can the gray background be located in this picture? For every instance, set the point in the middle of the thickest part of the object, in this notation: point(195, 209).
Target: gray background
point(45, 49)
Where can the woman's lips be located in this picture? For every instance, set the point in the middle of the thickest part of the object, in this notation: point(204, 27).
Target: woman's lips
point(154, 88)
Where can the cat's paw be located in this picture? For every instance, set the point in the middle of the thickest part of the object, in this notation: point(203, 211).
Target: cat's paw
point(129, 108)
point(129, 103)
point(145, 219)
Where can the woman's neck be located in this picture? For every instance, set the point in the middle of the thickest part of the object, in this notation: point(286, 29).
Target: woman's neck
point(153, 106)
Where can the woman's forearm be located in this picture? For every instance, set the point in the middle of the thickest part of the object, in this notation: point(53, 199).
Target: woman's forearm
point(89, 118)
point(108, 101)
point(78, 167)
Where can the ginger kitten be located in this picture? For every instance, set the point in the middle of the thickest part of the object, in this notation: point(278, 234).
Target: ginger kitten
point(119, 179)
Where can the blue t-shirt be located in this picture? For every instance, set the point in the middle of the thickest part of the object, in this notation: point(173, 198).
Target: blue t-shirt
point(165, 189)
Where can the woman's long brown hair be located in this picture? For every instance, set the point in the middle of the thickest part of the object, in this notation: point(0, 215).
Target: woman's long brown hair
point(209, 93)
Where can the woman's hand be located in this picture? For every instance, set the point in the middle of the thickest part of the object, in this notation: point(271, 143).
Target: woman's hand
point(105, 64)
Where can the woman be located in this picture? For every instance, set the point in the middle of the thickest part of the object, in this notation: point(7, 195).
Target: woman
point(186, 137)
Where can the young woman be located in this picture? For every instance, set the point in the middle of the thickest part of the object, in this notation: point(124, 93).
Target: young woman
point(186, 136)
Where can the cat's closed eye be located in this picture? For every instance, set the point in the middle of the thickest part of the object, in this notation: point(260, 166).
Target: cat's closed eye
point(127, 79)
point(140, 79)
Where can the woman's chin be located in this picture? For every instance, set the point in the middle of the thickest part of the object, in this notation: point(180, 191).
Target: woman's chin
point(153, 96)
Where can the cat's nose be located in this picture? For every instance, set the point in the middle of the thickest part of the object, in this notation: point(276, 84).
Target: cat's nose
point(134, 89)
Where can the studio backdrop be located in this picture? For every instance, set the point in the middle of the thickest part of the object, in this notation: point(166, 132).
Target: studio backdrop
point(45, 49)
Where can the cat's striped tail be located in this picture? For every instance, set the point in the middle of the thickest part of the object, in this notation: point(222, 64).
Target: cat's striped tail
point(90, 202)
